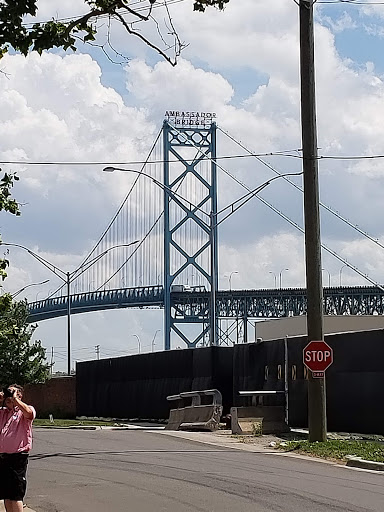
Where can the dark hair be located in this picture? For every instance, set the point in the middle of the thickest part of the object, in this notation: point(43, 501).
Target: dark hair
point(17, 386)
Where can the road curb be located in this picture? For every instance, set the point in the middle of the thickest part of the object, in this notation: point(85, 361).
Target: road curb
point(214, 439)
point(358, 462)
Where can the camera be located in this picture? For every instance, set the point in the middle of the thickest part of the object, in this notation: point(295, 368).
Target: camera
point(8, 393)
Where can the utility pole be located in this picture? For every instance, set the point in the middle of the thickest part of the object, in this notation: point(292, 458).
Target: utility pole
point(317, 421)
point(52, 360)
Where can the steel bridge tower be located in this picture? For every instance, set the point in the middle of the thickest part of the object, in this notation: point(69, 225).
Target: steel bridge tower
point(190, 231)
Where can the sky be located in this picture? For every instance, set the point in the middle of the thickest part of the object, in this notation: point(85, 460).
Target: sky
point(243, 64)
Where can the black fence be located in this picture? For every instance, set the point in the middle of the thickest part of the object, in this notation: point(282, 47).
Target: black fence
point(137, 386)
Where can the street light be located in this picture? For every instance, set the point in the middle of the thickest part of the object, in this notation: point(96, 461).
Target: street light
point(138, 342)
point(211, 227)
point(67, 278)
point(153, 341)
point(341, 271)
point(230, 278)
point(280, 276)
point(37, 295)
point(274, 276)
point(13, 295)
point(329, 276)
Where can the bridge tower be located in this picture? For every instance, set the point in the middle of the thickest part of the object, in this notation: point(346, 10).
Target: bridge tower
point(190, 231)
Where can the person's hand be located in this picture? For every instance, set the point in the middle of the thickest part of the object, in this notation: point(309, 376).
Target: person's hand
point(1, 396)
point(15, 393)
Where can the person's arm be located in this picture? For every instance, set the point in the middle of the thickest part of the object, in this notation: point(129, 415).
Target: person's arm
point(24, 408)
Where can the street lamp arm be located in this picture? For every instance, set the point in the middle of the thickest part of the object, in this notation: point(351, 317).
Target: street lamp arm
point(138, 341)
point(76, 273)
point(174, 194)
point(233, 206)
point(249, 195)
point(27, 286)
point(50, 266)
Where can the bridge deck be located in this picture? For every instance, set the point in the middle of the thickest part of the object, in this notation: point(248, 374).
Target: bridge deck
point(267, 303)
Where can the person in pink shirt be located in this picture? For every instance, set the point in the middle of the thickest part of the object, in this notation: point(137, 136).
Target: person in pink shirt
point(16, 419)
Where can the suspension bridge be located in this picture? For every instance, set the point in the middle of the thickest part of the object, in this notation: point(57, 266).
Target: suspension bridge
point(165, 248)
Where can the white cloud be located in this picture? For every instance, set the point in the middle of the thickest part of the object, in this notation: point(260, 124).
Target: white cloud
point(344, 22)
point(180, 86)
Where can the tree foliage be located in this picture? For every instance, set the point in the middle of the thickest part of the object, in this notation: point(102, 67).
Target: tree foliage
point(21, 360)
point(66, 34)
point(10, 205)
point(200, 5)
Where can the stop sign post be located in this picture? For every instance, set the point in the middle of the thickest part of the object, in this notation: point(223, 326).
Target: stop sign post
point(317, 357)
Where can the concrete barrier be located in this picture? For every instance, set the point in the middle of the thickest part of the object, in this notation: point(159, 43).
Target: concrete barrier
point(265, 419)
point(191, 414)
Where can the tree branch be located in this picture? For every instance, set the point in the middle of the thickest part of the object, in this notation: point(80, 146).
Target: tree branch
point(145, 40)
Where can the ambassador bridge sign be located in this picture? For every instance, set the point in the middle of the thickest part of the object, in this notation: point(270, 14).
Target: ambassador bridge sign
point(183, 118)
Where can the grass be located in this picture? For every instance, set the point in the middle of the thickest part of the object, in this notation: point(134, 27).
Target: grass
point(72, 423)
point(257, 428)
point(338, 449)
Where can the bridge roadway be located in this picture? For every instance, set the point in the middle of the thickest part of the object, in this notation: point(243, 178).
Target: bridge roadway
point(267, 303)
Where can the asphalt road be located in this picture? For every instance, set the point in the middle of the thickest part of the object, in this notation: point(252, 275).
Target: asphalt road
point(141, 471)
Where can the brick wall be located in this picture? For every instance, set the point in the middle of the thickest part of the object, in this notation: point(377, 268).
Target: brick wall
point(57, 396)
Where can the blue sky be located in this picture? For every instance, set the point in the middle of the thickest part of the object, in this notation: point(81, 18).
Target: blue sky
point(358, 41)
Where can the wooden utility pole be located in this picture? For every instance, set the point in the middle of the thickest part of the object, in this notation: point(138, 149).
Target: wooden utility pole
point(52, 360)
point(317, 421)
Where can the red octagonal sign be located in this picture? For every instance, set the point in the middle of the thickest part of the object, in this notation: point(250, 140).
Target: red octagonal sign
point(317, 356)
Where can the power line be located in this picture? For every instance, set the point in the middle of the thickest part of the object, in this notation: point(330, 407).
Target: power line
point(142, 162)
point(288, 153)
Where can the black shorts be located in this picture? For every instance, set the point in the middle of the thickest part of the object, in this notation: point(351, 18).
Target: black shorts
point(13, 469)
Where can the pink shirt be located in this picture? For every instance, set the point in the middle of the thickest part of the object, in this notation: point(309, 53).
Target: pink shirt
point(15, 430)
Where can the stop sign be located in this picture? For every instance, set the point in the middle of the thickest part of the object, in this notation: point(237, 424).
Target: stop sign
point(317, 356)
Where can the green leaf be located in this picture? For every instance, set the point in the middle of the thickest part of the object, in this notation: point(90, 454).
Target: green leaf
point(21, 359)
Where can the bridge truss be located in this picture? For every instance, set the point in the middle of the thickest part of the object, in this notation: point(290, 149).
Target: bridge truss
point(235, 309)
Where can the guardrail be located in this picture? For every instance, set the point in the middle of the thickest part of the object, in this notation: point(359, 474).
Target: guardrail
point(191, 414)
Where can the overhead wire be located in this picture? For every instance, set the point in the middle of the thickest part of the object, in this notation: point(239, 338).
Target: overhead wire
point(288, 153)
point(139, 162)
